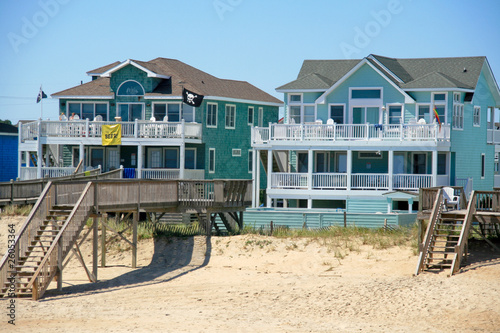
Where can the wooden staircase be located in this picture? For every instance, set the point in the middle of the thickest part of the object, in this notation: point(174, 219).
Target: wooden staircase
point(45, 239)
point(446, 237)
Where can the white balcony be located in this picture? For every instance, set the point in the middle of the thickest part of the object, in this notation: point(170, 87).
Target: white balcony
point(280, 133)
point(493, 136)
point(172, 174)
point(139, 129)
point(339, 181)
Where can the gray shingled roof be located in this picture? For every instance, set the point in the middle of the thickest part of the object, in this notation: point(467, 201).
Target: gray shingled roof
point(192, 79)
point(458, 72)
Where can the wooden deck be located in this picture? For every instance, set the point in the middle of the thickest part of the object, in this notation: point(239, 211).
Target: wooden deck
point(62, 210)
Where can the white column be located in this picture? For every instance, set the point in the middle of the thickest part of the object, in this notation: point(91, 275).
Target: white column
point(434, 167)
point(82, 155)
point(19, 152)
point(139, 161)
point(269, 172)
point(257, 176)
point(182, 162)
point(254, 179)
point(391, 169)
point(349, 169)
point(39, 148)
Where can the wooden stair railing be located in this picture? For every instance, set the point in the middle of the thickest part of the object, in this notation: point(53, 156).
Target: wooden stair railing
point(436, 212)
point(464, 235)
point(51, 264)
point(446, 237)
point(25, 237)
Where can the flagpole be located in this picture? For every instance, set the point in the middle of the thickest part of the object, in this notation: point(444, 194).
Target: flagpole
point(41, 103)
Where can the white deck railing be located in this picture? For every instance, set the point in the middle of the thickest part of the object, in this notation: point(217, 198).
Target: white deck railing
point(172, 174)
point(350, 132)
point(338, 181)
point(93, 129)
point(493, 136)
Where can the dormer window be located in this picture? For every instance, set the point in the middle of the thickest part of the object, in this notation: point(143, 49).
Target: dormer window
point(130, 88)
point(366, 93)
point(295, 98)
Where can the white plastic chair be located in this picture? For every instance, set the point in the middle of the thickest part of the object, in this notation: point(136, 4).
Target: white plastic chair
point(450, 199)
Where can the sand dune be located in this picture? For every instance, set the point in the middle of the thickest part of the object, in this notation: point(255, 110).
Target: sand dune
point(264, 284)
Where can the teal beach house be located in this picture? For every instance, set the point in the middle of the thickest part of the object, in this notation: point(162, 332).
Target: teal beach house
point(364, 135)
point(205, 137)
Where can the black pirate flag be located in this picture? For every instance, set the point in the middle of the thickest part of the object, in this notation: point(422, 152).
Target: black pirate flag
point(190, 98)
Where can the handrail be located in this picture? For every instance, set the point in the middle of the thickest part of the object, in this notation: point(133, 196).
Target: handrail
point(436, 210)
point(464, 233)
point(51, 270)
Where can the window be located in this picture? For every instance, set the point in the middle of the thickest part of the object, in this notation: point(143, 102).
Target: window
point(366, 93)
point(130, 88)
point(250, 161)
point(294, 115)
point(171, 158)
point(322, 159)
point(337, 113)
point(211, 115)
point(458, 112)
point(483, 166)
point(441, 164)
point(309, 115)
point(190, 158)
point(172, 112)
point(88, 110)
point(419, 163)
point(261, 117)
point(250, 115)
point(188, 113)
point(295, 98)
point(424, 113)
point(236, 152)
point(476, 118)
point(211, 160)
point(154, 157)
point(395, 114)
point(369, 155)
point(230, 116)
point(439, 107)
point(302, 162)
point(130, 112)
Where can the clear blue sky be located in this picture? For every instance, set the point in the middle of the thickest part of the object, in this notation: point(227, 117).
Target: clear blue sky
point(55, 42)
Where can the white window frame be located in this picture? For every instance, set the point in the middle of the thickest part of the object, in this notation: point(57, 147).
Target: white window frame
point(118, 110)
point(439, 103)
point(458, 113)
point(236, 152)
point(81, 108)
point(181, 111)
point(216, 114)
point(261, 117)
point(250, 113)
point(476, 116)
point(121, 84)
point(151, 150)
point(209, 160)
point(430, 115)
point(250, 160)
point(228, 109)
point(343, 105)
point(366, 102)
point(483, 166)
point(295, 102)
point(402, 117)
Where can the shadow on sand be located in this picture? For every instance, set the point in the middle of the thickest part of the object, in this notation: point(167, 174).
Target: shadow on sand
point(481, 255)
point(172, 258)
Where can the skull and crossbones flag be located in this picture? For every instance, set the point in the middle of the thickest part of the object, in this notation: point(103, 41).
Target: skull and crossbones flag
point(190, 98)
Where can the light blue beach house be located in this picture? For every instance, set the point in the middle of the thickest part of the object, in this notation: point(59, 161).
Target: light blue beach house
point(161, 137)
point(364, 135)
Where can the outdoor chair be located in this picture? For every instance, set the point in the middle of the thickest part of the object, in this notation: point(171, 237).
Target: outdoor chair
point(450, 199)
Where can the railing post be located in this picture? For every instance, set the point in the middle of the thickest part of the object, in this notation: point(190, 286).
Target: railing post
point(301, 132)
point(136, 128)
point(401, 134)
point(367, 131)
point(87, 134)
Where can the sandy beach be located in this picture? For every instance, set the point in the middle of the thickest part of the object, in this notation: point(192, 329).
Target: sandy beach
point(256, 283)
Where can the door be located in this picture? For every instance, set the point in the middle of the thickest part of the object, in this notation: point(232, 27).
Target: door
point(302, 162)
point(113, 158)
point(97, 157)
point(322, 162)
point(419, 164)
point(341, 162)
point(372, 115)
point(154, 158)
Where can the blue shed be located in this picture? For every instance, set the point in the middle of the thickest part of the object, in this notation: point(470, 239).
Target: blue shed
point(8, 152)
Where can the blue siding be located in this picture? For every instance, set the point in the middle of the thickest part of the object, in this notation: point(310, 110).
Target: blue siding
point(8, 157)
point(367, 205)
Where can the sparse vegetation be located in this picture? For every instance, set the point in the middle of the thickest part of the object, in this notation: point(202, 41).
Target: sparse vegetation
point(13, 210)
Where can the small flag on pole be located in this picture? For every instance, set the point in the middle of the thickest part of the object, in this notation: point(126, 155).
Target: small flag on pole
point(41, 95)
point(437, 118)
point(190, 98)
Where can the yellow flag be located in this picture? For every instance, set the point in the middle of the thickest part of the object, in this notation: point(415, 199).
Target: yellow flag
point(111, 135)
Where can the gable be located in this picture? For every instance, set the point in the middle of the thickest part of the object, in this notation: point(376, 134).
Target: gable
point(364, 75)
